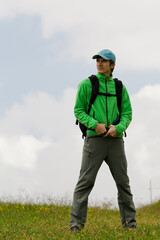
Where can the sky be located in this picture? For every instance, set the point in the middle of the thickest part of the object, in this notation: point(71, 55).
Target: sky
point(46, 50)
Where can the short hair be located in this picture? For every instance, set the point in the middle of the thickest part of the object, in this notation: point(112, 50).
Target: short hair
point(111, 62)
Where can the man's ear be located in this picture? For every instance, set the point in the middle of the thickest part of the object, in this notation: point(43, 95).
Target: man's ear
point(112, 65)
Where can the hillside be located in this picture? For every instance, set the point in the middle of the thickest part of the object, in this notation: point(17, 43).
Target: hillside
point(43, 222)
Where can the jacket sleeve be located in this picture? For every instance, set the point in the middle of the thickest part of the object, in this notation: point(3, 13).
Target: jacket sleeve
point(126, 112)
point(81, 105)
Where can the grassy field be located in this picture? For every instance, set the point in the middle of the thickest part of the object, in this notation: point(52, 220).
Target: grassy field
point(36, 222)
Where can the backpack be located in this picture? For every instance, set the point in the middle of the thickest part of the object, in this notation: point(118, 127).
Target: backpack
point(95, 91)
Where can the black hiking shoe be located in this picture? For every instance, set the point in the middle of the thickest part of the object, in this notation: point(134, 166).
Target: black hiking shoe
point(74, 229)
point(133, 226)
point(130, 226)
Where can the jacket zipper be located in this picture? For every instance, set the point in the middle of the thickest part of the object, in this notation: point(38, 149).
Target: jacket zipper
point(106, 104)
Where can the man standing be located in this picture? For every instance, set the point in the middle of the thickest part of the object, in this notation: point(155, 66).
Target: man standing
point(104, 141)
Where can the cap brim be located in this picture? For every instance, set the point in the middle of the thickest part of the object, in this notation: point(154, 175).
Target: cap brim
point(97, 56)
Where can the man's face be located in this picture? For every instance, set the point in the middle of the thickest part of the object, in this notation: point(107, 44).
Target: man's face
point(104, 67)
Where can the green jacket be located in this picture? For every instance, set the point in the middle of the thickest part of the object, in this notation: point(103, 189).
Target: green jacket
point(104, 109)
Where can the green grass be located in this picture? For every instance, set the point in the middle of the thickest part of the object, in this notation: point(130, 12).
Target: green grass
point(42, 222)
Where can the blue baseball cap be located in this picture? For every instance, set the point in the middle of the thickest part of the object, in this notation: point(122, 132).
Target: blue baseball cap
point(106, 54)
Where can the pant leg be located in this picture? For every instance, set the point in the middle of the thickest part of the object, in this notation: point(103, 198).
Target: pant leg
point(92, 159)
point(118, 166)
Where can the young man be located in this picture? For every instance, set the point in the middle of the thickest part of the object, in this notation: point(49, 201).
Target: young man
point(101, 144)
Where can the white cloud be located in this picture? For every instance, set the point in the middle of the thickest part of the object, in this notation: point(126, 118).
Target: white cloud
point(39, 141)
point(41, 114)
point(129, 28)
point(144, 140)
point(21, 151)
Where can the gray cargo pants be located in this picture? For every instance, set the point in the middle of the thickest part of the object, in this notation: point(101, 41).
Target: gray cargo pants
point(95, 151)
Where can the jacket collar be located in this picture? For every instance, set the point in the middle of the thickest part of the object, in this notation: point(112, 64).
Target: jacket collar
point(103, 77)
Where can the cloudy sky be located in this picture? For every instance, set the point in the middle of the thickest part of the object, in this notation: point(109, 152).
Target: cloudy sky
point(45, 51)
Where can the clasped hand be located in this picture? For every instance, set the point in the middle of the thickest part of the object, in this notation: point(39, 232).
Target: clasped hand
point(101, 129)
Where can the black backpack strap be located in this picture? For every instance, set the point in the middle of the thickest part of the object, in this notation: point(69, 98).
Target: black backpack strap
point(107, 94)
point(119, 86)
point(95, 88)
